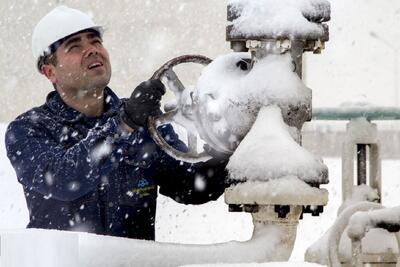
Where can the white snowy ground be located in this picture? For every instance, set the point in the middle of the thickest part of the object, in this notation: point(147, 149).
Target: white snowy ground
point(207, 223)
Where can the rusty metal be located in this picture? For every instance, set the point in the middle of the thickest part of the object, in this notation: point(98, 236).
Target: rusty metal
point(179, 60)
point(324, 37)
point(166, 71)
point(190, 157)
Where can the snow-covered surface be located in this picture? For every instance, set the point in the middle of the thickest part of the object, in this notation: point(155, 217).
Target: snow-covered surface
point(277, 18)
point(358, 194)
point(288, 190)
point(361, 131)
point(336, 247)
point(375, 241)
point(229, 98)
point(89, 250)
point(268, 152)
point(13, 210)
point(209, 223)
point(363, 221)
point(31, 248)
point(353, 41)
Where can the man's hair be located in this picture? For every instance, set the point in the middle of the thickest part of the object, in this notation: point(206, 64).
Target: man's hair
point(46, 60)
point(50, 57)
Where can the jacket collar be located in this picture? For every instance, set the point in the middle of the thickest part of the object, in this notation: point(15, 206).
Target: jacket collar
point(66, 113)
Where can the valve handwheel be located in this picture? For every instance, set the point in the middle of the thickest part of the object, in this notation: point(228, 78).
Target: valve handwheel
point(174, 84)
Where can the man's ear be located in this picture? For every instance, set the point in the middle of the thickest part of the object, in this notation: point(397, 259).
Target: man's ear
point(48, 70)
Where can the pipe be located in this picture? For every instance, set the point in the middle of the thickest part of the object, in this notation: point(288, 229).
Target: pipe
point(356, 249)
point(361, 222)
point(272, 240)
point(339, 227)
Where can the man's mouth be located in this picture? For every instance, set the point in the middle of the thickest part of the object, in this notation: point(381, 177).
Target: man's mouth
point(95, 65)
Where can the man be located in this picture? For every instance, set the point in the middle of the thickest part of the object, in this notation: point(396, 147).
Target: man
point(85, 158)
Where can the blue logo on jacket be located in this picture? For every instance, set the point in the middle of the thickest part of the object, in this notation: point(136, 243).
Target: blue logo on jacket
point(142, 183)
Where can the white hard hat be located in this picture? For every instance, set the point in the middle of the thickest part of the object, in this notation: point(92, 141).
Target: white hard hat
point(61, 22)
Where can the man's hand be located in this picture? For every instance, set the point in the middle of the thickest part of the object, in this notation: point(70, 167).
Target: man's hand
point(143, 103)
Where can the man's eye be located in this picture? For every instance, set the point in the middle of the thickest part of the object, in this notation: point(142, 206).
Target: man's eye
point(73, 47)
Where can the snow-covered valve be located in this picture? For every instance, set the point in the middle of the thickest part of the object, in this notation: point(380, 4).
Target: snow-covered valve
point(272, 30)
point(239, 93)
point(271, 175)
point(267, 26)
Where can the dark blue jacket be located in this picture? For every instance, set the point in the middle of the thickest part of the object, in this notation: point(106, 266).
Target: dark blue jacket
point(86, 174)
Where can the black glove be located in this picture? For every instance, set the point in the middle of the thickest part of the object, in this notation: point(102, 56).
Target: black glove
point(143, 103)
point(218, 158)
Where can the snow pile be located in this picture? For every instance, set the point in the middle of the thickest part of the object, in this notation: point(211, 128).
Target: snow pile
point(229, 98)
point(269, 152)
point(45, 248)
point(289, 18)
point(83, 249)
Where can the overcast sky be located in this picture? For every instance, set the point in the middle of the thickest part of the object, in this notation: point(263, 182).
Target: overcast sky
point(356, 65)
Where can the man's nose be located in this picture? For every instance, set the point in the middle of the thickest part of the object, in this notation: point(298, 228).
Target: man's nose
point(90, 51)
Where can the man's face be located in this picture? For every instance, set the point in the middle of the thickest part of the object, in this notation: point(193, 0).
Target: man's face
point(83, 64)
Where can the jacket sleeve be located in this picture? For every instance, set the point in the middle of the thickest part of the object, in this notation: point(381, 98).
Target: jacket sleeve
point(45, 166)
point(189, 183)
